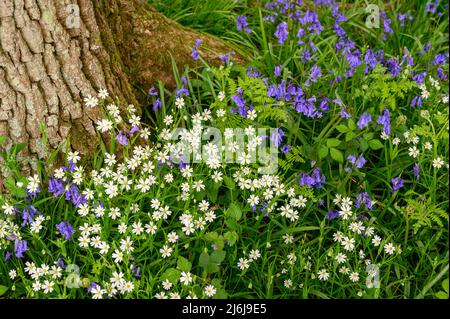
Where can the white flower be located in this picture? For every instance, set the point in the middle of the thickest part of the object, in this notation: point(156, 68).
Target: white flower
point(167, 284)
point(340, 258)
point(210, 290)
point(166, 251)
point(220, 113)
point(243, 263)
point(287, 283)
point(438, 162)
point(103, 94)
point(413, 152)
point(428, 146)
point(254, 254)
point(90, 101)
point(179, 102)
point(221, 96)
point(376, 241)
point(354, 276)
point(186, 278)
point(12, 274)
point(389, 248)
point(395, 141)
point(323, 274)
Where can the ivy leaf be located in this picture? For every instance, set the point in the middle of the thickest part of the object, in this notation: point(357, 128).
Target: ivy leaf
point(234, 212)
point(336, 155)
point(171, 274)
point(183, 264)
point(231, 236)
point(375, 144)
point(229, 182)
point(217, 256)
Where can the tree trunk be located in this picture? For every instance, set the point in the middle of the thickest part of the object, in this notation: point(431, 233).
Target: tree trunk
point(54, 53)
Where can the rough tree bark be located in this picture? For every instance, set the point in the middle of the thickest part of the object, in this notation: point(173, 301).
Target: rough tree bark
point(53, 53)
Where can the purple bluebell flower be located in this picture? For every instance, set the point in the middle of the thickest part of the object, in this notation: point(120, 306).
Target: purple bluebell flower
point(282, 32)
point(65, 229)
point(136, 270)
point(385, 120)
point(276, 136)
point(73, 194)
point(152, 91)
point(440, 59)
point(358, 161)
point(157, 105)
point(242, 24)
point(363, 198)
point(432, 6)
point(226, 57)
point(332, 215)
point(440, 74)
point(194, 53)
point(419, 77)
point(277, 70)
point(28, 214)
point(56, 186)
point(397, 183)
point(285, 148)
point(60, 263)
point(92, 286)
point(364, 120)
point(386, 25)
point(20, 247)
point(254, 73)
point(121, 138)
point(416, 170)
point(314, 74)
point(7, 256)
point(70, 168)
point(324, 104)
point(416, 101)
point(343, 113)
point(394, 67)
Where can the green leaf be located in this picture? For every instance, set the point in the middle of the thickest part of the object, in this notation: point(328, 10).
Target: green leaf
point(211, 236)
point(441, 295)
point(229, 182)
point(3, 290)
point(217, 256)
point(231, 236)
point(333, 142)
point(351, 124)
point(171, 274)
point(234, 212)
point(323, 151)
point(375, 144)
point(364, 145)
point(445, 285)
point(2, 139)
point(342, 128)
point(183, 264)
point(206, 263)
point(349, 136)
point(336, 155)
